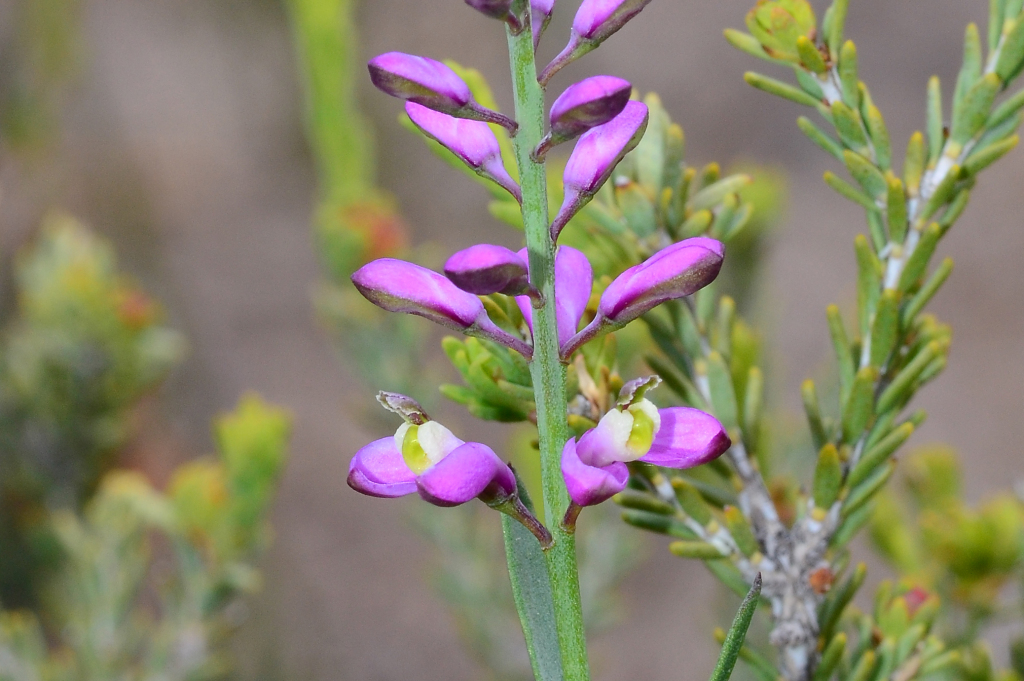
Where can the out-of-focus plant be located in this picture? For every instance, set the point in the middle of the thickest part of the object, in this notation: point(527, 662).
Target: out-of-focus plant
point(82, 346)
point(38, 62)
point(150, 581)
point(970, 556)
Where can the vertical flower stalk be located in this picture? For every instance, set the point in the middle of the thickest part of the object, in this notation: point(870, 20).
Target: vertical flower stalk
point(548, 372)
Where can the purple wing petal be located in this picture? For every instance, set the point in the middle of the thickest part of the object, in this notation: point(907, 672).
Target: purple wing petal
point(378, 470)
point(574, 280)
point(466, 473)
point(687, 437)
point(590, 485)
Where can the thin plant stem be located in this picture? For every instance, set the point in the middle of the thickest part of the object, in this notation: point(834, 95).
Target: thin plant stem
point(549, 374)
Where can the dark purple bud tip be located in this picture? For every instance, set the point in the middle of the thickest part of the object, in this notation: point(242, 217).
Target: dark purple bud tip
point(587, 104)
point(496, 9)
point(421, 80)
point(485, 269)
point(596, 154)
point(430, 83)
point(540, 13)
point(680, 270)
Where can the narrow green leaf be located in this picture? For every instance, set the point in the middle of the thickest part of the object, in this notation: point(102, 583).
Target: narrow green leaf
point(692, 502)
point(779, 89)
point(954, 210)
point(695, 549)
point(897, 210)
point(867, 175)
point(878, 454)
point(642, 501)
point(753, 405)
point(848, 191)
point(995, 23)
point(848, 74)
point(913, 165)
point(809, 83)
point(712, 195)
point(809, 55)
point(844, 355)
point(970, 72)
point(744, 42)
point(919, 259)
point(869, 283)
point(879, 137)
point(723, 394)
point(936, 125)
point(904, 380)
point(858, 410)
point(741, 531)
point(864, 492)
point(850, 129)
point(828, 477)
point(830, 658)
point(925, 294)
point(1012, 53)
point(820, 137)
point(737, 633)
point(811, 407)
point(876, 228)
point(831, 609)
point(983, 158)
point(531, 590)
point(885, 328)
point(723, 326)
point(851, 525)
point(971, 112)
point(1007, 109)
point(653, 522)
point(837, 24)
point(676, 381)
point(942, 194)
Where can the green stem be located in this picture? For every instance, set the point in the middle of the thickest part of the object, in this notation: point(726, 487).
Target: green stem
point(546, 368)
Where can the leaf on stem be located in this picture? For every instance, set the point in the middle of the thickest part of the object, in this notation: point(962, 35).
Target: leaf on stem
point(737, 633)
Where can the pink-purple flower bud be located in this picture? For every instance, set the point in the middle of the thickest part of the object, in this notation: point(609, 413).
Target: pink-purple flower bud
point(431, 84)
point(540, 13)
point(472, 141)
point(596, 154)
point(595, 22)
point(484, 269)
point(587, 104)
point(680, 270)
point(496, 9)
point(399, 286)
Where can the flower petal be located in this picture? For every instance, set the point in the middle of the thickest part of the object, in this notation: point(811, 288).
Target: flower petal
point(399, 286)
point(378, 470)
point(688, 437)
point(466, 473)
point(574, 280)
point(484, 269)
point(419, 79)
point(590, 485)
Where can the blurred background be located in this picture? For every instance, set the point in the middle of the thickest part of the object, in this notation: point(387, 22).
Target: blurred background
point(174, 129)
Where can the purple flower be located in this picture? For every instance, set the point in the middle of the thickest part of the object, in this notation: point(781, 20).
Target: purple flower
point(427, 458)
point(431, 84)
point(485, 269)
point(676, 437)
point(596, 154)
point(595, 22)
point(400, 286)
point(680, 270)
point(574, 279)
point(472, 141)
point(585, 105)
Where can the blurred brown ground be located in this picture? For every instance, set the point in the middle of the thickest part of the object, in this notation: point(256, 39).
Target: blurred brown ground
point(183, 142)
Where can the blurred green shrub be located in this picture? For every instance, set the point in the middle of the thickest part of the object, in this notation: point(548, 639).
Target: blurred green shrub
point(149, 580)
point(82, 346)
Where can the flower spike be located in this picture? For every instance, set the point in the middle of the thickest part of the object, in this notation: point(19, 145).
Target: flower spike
point(596, 154)
point(485, 269)
point(680, 270)
point(472, 141)
point(399, 286)
point(431, 84)
point(595, 22)
point(585, 105)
